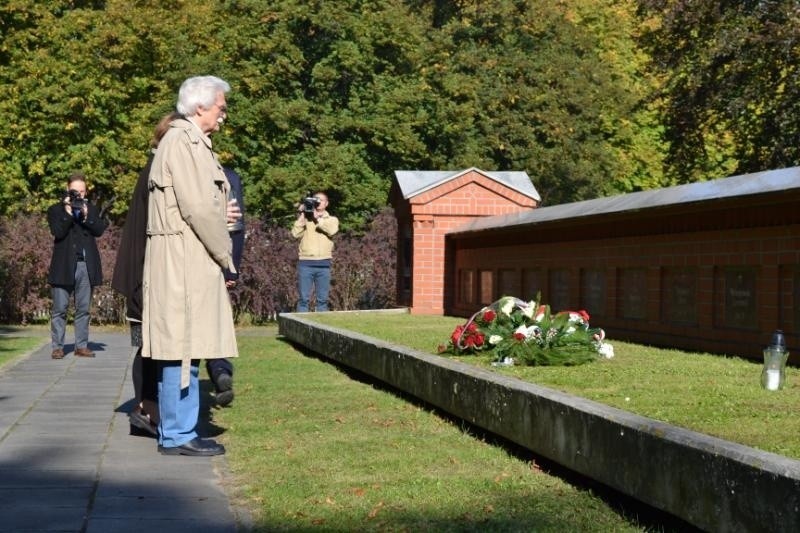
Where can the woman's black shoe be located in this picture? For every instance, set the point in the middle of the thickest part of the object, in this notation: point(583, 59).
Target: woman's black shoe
point(141, 426)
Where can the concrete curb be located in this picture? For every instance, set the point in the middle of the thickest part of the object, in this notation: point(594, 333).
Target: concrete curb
point(714, 484)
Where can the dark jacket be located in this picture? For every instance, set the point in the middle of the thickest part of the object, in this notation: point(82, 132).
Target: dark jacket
point(71, 239)
point(129, 268)
point(237, 237)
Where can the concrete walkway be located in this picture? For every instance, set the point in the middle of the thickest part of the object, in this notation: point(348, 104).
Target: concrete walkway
point(68, 463)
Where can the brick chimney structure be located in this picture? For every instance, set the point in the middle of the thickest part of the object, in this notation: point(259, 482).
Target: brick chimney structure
point(427, 205)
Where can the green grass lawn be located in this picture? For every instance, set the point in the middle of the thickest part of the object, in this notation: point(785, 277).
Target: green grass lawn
point(18, 341)
point(712, 394)
point(311, 448)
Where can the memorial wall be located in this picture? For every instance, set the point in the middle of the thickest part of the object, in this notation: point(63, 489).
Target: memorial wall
point(711, 266)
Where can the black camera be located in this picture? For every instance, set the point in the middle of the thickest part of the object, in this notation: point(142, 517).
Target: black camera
point(76, 202)
point(310, 203)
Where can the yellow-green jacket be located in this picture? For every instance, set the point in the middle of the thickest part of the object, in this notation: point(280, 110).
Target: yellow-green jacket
point(315, 239)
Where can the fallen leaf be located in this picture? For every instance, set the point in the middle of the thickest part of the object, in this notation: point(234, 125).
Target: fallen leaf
point(374, 512)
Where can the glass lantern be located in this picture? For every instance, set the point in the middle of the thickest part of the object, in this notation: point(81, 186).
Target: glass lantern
point(773, 376)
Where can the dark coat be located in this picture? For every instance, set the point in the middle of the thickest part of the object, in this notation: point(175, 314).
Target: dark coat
point(128, 270)
point(237, 237)
point(70, 237)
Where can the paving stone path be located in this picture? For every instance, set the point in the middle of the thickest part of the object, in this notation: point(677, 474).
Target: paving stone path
point(68, 462)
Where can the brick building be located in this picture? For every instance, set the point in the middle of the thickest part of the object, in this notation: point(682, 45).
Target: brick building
point(428, 204)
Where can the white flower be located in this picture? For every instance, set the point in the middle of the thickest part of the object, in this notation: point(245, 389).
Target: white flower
point(529, 309)
point(606, 350)
point(570, 329)
point(495, 339)
point(506, 305)
point(528, 331)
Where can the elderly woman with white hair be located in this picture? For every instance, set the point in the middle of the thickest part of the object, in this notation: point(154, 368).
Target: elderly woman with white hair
point(187, 312)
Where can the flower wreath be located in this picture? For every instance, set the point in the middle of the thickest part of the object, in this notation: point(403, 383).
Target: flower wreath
point(515, 331)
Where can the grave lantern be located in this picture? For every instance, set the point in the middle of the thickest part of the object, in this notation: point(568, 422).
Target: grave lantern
point(773, 376)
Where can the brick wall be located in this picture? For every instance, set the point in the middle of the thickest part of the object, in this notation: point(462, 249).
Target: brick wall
point(715, 276)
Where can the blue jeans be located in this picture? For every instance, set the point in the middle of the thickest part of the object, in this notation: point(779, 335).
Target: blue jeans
point(178, 408)
point(58, 315)
point(320, 278)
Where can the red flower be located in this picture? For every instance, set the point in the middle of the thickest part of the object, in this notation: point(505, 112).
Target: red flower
point(519, 337)
point(456, 335)
point(489, 316)
point(584, 315)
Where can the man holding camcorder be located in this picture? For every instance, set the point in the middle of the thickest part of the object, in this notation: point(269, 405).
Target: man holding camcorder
point(314, 227)
point(75, 265)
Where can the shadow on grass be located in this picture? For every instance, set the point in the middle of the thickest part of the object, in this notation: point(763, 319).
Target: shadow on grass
point(636, 512)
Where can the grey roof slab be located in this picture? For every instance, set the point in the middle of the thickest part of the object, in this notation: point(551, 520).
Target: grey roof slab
point(68, 462)
point(414, 182)
point(733, 187)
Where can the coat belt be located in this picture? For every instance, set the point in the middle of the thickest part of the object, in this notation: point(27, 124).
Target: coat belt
point(151, 232)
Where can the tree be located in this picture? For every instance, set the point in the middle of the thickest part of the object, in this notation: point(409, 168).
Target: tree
point(327, 95)
point(730, 95)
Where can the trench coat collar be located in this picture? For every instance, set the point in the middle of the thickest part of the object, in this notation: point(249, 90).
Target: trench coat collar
point(193, 129)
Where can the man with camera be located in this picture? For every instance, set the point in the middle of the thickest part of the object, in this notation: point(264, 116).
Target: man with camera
point(314, 228)
point(75, 265)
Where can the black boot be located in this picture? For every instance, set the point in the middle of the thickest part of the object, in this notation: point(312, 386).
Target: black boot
point(224, 385)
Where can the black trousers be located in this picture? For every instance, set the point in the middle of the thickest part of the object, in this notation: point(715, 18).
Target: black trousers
point(215, 367)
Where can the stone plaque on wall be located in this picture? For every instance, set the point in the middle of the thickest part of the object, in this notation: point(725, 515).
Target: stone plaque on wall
point(679, 295)
point(466, 286)
point(593, 291)
point(486, 289)
point(558, 295)
point(507, 282)
point(739, 297)
point(532, 283)
point(632, 293)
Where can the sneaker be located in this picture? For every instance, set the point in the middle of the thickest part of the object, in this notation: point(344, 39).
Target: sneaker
point(224, 386)
point(58, 353)
point(84, 352)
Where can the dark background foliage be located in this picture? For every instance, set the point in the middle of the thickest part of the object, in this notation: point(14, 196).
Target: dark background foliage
point(362, 276)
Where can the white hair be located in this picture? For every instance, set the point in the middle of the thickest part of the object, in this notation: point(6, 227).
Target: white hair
point(199, 91)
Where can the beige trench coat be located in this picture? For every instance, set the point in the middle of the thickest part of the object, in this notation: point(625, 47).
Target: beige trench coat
point(186, 308)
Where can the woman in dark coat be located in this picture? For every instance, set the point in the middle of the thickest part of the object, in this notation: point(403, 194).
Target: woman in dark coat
point(127, 281)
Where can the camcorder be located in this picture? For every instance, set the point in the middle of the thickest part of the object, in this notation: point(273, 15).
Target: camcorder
point(310, 204)
point(76, 203)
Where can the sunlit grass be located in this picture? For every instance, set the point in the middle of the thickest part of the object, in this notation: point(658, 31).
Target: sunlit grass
point(712, 394)
point(312, 448)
